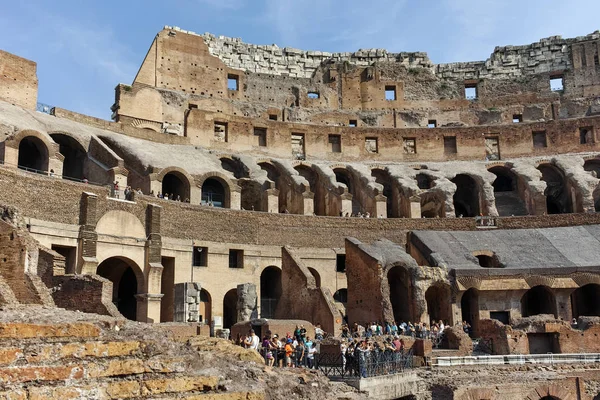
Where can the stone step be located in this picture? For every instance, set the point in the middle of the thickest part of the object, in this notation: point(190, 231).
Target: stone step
point(22, 331)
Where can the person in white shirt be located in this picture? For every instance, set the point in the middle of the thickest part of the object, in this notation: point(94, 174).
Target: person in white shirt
point(252, 341)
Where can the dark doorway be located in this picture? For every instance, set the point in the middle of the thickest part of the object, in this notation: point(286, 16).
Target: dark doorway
point(341, 296)
point(125, 284)
point(438, 303)
point(177, 186)
point(466, 197)
point(167, 288)
point(343, 176)
point(75, 156)
point(33, 155)
point(313, 181)
point(383, 178)
point(213, 193)
point(70, 255)
point(400, 294)
point(558, 200)
point(270, 291)
point(585, 301)
point(508, 201)
point(230, 309)
point(469, 305)
point(543, 343)
point(205, 307)
point(538, 300)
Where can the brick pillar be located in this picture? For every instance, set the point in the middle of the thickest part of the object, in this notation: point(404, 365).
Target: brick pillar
point(87, 263)
point(415, 207)
point(150, 295)
point(308, 199)
point(380, 207)
point(270, 201)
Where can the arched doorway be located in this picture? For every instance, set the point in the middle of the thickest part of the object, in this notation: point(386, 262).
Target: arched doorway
point(33, 154)
point(316, 275)
point(585, 301)
point(438, 303)
point(341, 296)
point(424, 182)
point(558, 200)
point(177, 186)
point(401, 294)
point(343, 176)
point(313, 181)
point(251, 195)
point(205, 310)
point(214, 193)
point(469, 305)
point(230, 309)
point(384, 178)
point(74, 153)
point(274, 175)
point(466, 197)
point(270, 291)
point(506, 193)
point(592, 166)
point(538, 300)
point(126, 278)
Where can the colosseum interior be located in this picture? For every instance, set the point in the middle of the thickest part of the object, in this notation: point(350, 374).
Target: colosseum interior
point(304, 187)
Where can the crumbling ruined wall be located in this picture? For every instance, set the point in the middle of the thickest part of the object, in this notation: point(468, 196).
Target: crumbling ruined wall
point(303, 299)
point(18, 80)
point(98, 298)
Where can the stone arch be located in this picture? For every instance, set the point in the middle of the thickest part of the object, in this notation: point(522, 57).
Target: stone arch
point(74, 153)
point(341, 296)
point(469, 306)
point(176, 182)
point(205, 306)
point(424, 181)
point(538, 300)
point(585, 301)
point(216, 185)
point(345, 177)
point(251, 191)
point(438, 302)
point(401, 294)
point(128, 281)
point(230, 308)
point(270, 291)
point(316, 275)
point(33, 154)
point(506, 192)
point(390, 191)
point(487, 259)
point(467, 195)
point(313, 178)
point(558, 199)
point(122, 224)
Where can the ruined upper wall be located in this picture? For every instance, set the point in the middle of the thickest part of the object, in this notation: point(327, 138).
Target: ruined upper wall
point(18, 80)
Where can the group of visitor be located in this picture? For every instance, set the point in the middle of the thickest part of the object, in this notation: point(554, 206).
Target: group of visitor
point(420, 330)
point(169, 196)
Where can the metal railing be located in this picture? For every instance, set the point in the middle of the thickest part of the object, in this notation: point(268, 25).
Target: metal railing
point(45, 108)
point(517, 359)
point(365, 364)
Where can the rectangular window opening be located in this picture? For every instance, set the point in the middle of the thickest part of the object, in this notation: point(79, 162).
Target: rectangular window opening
point(200, 256)
point(298, 149)
point(410, 146)
point(517, 118)
point(236, 258)
point(314, 95)
point(273, 117)
point(220, 132)
point(336, 143)
point(261, 137)
point(450, 145)
point(502, 316)
point(233, 82)
point(539, 139)
point(353, 123)
point(470, 91)
point(371, 145)
point(390, 93)
point(557, 84)
point(586, 135)
point(492, 148)
point(70, 255)
point(340, 263)
point(432, 123)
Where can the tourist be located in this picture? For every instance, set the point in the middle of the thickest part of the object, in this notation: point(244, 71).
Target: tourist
point(252, 341)
point(289, 350)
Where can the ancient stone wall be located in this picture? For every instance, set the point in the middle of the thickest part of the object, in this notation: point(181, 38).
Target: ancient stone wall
point(18, 80)
point(85, 293)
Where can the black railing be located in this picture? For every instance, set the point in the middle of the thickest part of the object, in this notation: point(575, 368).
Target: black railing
point(364, 364)
point(45, 108)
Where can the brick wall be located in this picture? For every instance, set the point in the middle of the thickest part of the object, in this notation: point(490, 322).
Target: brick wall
point(18, 80)
point(70, 290)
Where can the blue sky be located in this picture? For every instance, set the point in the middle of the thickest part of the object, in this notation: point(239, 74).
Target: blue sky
point(84, 48)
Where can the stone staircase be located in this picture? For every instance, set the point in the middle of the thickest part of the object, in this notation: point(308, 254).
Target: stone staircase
point(79, 361)
point(509, 203)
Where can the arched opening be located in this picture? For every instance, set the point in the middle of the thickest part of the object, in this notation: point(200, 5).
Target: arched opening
point(431, 206)
point(592, 166)
point(438, 303)
point(558, 200)
point(424, 181)
point(75, 156)
point(205, 308)
point(466, 197)
point(469, 305)
point(125, 284)
point(251, 195)
point(341, 296)
point(538, 300)
point(274, 175)
point(237, 168)
point(33, 154)
point(270, 291)
point(177, 186)
point(401, 294)
point(488, 260)
point(384, 178)
point(316, 275)
point(585, 301)
point(230, 309)
point(313, 181)
point(343, 176)
point(214, 193)
point(506, 193)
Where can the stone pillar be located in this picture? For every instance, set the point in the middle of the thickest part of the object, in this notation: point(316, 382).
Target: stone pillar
point(56, 164)
point(247, 305)
point(380, 207)
point(187, 302)
point(195, 194)
point(563, 304)
point(308, 198)
point(87, 263)
point(153, 266)
point(148, 307)
point(270, 201)
point(415, 207)
point(235, 199)
point(346, 205)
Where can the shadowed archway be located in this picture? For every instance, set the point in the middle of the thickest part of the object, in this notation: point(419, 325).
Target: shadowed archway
point(127, 278)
